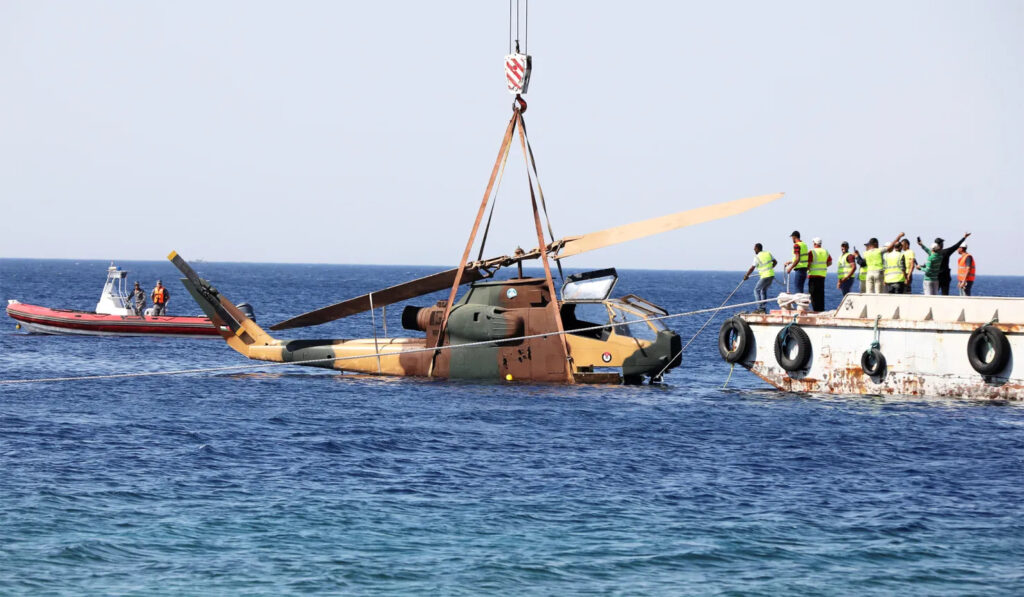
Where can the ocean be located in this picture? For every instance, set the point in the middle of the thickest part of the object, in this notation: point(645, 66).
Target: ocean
point(291, 480)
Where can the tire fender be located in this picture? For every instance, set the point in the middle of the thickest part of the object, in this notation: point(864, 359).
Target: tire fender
point(984, 339)
point(872, 362)
point(734, 339)
point(793, 333)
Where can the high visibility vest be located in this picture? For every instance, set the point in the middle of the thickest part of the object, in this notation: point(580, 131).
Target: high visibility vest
point(862, 275)
point(894, 273)
point(966, 274)
point(908, 259)
point(160, 295)
point(873, 257)
point(820, 265)
point(844, 266)
point(764, 264)
point(801, 263)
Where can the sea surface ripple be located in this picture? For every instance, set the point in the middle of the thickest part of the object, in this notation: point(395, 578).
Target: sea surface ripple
point(294, 480)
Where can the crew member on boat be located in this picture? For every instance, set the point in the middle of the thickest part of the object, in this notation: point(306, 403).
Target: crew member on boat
point(765, 264)
point(160, 297)
point(137, 300)
point(847, 265)
point(965, 271)
point(816, 272)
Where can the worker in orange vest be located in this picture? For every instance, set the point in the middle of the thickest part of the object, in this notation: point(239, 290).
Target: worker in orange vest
point(160, 297)
point(965, 271)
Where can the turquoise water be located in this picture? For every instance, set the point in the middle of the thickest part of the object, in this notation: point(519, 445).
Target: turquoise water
point(294, 480)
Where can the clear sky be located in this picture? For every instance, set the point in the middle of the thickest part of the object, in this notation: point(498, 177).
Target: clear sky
point(364, 132)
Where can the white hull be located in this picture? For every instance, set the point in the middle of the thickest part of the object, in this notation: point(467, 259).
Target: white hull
point(924, 340)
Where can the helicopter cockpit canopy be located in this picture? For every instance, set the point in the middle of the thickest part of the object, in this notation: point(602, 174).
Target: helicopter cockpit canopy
point(593, 286)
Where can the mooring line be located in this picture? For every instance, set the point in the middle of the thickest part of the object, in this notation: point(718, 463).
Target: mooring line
point(263, 364)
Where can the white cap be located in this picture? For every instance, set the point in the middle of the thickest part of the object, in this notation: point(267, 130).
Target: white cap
point(816, 240)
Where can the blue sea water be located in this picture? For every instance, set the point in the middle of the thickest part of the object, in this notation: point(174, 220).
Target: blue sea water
point(296, 480)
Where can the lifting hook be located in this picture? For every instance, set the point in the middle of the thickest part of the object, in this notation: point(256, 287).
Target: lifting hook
point(519, 104)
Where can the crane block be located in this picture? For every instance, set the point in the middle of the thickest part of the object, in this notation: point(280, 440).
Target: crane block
point(517, 72)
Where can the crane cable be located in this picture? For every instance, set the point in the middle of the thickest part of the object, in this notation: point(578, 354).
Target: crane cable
point(400, 353)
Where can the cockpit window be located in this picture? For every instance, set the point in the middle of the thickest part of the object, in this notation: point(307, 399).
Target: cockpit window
point(632, 325)
point(589, 286)
point(576, 317)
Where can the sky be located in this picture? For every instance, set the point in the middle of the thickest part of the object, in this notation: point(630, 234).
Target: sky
point(345, 132)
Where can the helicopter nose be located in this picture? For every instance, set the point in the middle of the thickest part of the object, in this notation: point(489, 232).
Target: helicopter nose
point(663, 354)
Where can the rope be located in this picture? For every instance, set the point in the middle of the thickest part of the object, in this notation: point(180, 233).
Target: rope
point(715, 313)
point(731, 367)
point(264, 364)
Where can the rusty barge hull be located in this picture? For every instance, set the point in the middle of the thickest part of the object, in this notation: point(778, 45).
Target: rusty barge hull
point(925, 341)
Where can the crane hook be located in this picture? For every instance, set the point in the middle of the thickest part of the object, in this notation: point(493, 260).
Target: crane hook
point(519, 104)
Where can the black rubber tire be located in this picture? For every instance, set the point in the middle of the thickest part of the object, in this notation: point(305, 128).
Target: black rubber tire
point(803, 353)
point(734, 327)
point(872, 362)
point(978, 345)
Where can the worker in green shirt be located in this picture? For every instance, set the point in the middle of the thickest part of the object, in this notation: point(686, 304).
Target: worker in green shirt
point(931, 267)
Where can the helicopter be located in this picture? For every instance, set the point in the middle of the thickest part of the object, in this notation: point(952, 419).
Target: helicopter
point(515, 329)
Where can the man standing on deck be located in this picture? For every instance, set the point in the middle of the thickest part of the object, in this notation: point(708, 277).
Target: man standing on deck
point(816, 272)
point(160, 297)
point(871, 263)
point(895, 271)
point(765, 265)
point(909, 262)
point(931, 268)
point(137, 300)
point(945, 277)
point(798, 266)
point(965, 271)
point(845, 268)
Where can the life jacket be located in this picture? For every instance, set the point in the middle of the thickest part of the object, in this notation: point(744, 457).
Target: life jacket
point(801, 263)
point(894, 273)
point(820, 266)
point(160, 295)
point(764, 264)
point(964, 273)
point(873, 257)
point(844, 266)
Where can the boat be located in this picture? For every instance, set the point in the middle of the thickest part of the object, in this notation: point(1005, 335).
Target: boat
point(113, 316)
point(886, 344)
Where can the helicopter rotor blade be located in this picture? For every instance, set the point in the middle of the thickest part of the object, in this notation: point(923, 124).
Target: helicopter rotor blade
point(574, 245)
point(387, 296)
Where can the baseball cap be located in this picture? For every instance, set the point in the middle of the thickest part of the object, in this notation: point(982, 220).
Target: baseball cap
point(795, 233)
point(816, 240)
point(871, 241)
point(939, 240)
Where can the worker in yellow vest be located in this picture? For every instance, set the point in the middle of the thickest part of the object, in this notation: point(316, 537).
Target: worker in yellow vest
point(816, 272)
point(965, 271)
point(895, 271)
point(910, 263)
point(862, 277)
point(765, 264)
point(846, 267)
point(871, 261)
point(799, 264)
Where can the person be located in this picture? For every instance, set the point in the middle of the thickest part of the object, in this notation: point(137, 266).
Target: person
point(945, 277)
point(872, 262)
point(800, 262)
point(931, 267)
point(895, 271)
point(965, 271)
point(137, 300)
point(846, 267)
point(160, 297)
point(862, 276)
point(816, 272)
point(909, 262)
point(765, 265)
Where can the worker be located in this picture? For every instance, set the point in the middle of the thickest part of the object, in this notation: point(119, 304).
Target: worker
point(816, 272)
point(862, 274)
point(845, 268)
point(965, 271)
point(765, 265)
point(137, 300)
point(871, 264)
point(931, 267)
point(798, 266)
point(895, 271)
point(160, 297)
point(945, 276)
point(909, 262)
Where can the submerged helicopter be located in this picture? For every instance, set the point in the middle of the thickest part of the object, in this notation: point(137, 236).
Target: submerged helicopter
point(514, 329)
